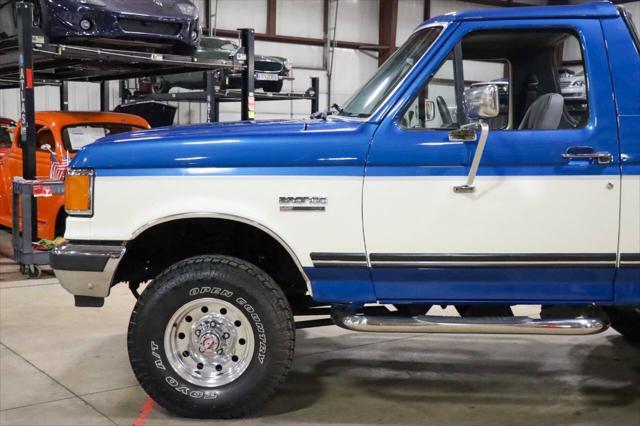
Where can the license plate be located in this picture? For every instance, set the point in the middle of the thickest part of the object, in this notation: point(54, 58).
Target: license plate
point(267, 77)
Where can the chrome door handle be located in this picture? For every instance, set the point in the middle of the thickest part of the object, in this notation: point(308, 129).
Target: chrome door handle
point(599, 157)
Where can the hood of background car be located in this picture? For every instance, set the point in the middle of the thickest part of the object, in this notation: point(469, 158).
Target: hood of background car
point(244, 144)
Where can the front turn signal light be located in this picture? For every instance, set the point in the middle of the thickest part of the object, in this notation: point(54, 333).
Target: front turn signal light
point(78, 192)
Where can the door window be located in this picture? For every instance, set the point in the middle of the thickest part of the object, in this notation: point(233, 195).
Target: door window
point(525, 66)
point(44, 136)
point(436, 107)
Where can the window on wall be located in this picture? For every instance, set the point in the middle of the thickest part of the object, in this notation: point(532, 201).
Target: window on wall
point(539, 75)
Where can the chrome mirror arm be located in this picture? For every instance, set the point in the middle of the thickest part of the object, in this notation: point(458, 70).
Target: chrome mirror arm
point(475, 163)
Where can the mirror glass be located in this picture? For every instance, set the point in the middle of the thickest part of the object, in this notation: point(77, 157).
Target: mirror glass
point(429, 110)
point(481, 101)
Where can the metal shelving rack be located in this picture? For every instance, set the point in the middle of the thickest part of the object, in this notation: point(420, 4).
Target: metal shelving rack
point(31, 60)
point(213, 95)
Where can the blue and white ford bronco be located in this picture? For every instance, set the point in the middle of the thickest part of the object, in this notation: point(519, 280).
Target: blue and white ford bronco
point(458, 175)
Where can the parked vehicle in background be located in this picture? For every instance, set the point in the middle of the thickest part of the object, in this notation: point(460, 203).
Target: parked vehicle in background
point(270, 71)
point(163, 26)
point(572, 84)
point(7, 127)
point(61, 134)
point(237, 226)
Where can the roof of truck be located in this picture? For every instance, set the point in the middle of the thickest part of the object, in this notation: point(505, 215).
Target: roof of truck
point(601, 9)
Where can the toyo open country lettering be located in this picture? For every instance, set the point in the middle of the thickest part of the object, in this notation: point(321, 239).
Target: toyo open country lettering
point(461, 173)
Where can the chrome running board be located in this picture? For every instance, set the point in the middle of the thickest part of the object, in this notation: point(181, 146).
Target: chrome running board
point(345, 318)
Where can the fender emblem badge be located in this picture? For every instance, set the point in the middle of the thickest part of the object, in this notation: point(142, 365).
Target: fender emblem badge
point(290, 204)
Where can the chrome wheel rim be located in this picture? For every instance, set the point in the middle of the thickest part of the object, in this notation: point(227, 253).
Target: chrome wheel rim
point(209, 342)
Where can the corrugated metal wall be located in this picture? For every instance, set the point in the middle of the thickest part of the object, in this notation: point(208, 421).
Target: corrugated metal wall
point(357, 21)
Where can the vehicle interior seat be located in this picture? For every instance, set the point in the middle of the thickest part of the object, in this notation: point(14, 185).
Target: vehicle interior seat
point(445, 114)
point(544, 114)
point(531, 90)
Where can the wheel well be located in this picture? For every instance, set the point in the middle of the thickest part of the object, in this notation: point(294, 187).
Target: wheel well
point(167, 243)
point(61, 223)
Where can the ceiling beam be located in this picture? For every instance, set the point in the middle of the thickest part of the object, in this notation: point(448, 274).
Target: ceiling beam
point(387, 25)
point(307, 41)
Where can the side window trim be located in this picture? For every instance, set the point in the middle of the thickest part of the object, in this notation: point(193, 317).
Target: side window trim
point(458, 81)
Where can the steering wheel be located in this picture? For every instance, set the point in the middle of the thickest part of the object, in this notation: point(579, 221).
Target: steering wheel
point(447, 121)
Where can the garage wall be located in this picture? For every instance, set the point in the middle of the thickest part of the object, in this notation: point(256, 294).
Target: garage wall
point(357, 21)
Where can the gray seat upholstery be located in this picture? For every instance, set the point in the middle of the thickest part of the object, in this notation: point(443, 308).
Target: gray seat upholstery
point(544, 114)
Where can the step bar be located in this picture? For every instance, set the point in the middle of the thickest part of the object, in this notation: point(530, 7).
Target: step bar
point(345, 318)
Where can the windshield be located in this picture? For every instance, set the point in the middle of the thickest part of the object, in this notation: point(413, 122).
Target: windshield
point(76, 137)
point(366, 100)
point(218, 43)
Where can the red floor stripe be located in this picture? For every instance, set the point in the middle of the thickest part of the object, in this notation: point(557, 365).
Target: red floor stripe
point(144, 412)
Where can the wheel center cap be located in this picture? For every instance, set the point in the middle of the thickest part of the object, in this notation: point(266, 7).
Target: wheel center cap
point(212, 335)
point(208, 343)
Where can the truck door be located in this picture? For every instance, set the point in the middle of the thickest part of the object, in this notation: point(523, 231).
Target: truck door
point(542, 222)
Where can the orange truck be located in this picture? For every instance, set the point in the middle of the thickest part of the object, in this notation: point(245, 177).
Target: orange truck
point(59, 133)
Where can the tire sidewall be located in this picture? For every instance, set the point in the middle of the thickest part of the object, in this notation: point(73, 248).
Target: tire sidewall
point(170, 292)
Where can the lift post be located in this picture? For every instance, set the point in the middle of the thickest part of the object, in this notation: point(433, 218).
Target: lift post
point(248, 99)
point(24, 13)
point(104, 96)
point(315, 101)
point(213, 107)
point(64, 96)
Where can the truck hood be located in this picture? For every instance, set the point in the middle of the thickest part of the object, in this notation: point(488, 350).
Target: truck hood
point(244, 144)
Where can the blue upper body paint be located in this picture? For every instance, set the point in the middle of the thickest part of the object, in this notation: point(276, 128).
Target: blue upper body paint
point(261, 147)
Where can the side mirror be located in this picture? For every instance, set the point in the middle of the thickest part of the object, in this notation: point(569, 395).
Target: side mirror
point(46, 147)
point(481, 102)
point(429, 110)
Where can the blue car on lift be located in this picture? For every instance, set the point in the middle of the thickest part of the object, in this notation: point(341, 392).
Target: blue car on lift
point(151, 25)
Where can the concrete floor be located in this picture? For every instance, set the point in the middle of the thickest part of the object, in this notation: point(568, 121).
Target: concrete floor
point(62, 365)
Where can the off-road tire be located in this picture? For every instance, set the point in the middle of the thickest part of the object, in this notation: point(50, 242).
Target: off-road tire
point(238, 283)
point(626, 321)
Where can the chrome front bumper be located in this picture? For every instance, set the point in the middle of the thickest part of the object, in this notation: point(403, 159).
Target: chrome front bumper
point(86, 269)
